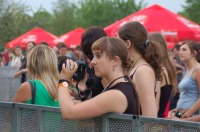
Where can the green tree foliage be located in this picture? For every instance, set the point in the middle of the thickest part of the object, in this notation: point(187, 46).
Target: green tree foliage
point(104, 12)
point(63, 17)
point(41, 19)
point(12, 17)
point(191, 10)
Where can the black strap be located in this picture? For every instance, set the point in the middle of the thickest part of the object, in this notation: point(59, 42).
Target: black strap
point(113, 82)
point(33, 91)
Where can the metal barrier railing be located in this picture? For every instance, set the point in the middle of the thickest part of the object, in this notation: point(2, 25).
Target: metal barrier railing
point(8, 84)
point(30, 118)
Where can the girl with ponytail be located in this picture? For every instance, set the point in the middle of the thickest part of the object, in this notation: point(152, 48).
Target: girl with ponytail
point(146, 69)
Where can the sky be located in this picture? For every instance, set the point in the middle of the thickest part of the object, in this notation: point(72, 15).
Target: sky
point(172, 5)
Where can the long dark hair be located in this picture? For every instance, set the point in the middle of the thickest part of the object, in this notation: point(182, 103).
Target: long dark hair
point(89, 37)
point(150, 51)
point(155, 36)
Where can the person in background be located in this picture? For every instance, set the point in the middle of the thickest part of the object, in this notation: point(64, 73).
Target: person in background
point(56, 50)
point(44, 43)
point(78, 52)
point(71, 54)
point(168, 84)
point(18, 58)
point(97, 84)
point(1, 61)
point(22, 69)
point(109, 61)
point(146, 70)
point(62, 49)
point(5, 57)
point(189, 102)
point(42, 67)
point(178, 63)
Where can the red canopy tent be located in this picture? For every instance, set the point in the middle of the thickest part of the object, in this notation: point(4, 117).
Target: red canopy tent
point(72, 38)
point(36, 35)
point(158, 19)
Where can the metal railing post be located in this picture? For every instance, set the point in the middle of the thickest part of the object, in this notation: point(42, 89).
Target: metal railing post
point(105, 124)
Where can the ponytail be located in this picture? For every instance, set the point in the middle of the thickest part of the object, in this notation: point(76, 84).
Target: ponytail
point(153, 55)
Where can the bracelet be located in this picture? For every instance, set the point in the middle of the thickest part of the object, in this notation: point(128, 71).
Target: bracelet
point(63, 80)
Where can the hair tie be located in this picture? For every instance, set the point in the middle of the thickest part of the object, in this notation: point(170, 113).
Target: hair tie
point(147, 42)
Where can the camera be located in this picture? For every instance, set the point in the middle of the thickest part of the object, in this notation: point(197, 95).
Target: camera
point(82, 66)
point(178, 114)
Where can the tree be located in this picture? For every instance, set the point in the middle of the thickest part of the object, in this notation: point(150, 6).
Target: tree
point(191, 10)
point(63, 17)
point(104, 12)
point(12, 16)
point(41, 19)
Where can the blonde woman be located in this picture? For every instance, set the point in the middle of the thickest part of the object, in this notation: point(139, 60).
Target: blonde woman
point(42, 69)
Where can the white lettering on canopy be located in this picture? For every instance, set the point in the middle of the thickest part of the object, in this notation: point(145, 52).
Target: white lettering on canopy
point(29, 38)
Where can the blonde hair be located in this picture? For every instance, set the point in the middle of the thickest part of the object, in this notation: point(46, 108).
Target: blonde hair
point(43, 65)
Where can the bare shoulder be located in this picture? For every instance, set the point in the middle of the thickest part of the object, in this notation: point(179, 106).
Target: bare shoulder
point(25, 87)
point(145, 70)
point(23, 93)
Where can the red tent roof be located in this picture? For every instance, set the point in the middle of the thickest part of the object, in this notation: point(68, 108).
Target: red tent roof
point(158, 19)
point(36, 35)
point(72, 38)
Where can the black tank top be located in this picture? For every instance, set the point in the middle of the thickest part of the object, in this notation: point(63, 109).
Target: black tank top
point(128, 90)
point(164, 98)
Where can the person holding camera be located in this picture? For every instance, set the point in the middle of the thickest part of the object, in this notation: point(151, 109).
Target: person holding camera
point(109, 62)
point(189, 102)
point(91, 85)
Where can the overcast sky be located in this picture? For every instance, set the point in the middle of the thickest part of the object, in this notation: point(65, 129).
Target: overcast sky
point(172, 5)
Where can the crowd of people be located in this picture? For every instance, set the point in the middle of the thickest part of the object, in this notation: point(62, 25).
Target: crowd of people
point(133, 73)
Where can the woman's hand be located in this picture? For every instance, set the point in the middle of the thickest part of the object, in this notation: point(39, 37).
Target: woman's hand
point(171, 114)
point(68, 70)
point(186, 115)
point(24, 70)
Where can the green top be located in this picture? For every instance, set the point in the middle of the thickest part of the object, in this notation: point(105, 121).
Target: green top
point(42, 96)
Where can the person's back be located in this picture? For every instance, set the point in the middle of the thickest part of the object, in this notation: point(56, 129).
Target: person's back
point(146, 69)
point(42, 96)
point(42, 67)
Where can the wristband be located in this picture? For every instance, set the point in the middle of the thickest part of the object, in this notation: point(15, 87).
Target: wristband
point(63, 84)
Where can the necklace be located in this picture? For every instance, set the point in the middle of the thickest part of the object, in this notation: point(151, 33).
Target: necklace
point(135, 64)
point(112, 83)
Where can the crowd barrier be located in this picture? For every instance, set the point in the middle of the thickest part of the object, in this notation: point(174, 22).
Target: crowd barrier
point(8, 84)
point(30, 118)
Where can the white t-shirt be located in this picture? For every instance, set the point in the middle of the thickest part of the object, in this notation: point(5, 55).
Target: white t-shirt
point(16, 61)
